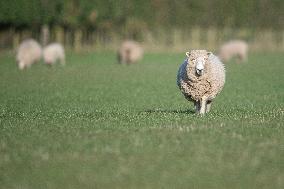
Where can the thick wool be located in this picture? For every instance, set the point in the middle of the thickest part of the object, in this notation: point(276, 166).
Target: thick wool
point(54, 52)
point(130, 52)
point(208, 85)
point(29, 52)
point(234, 48)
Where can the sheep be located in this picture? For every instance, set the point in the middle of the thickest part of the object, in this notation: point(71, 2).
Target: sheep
point(29, 52)
point(234, 48)
point(54, 52)
point(130, 52)
point(201, 78)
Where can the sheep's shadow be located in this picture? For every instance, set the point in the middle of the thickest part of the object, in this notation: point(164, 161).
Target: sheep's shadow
point(189, 111)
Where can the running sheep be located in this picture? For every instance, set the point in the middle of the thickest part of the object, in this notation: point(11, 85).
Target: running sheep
point(201, 78)
point(130, 52)
point(234, 49)
point(29, 52)
point(54, 52)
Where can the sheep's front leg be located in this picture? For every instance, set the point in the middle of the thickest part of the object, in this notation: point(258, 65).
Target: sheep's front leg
point(197, 106)
point(208, 106)
point(203, 105)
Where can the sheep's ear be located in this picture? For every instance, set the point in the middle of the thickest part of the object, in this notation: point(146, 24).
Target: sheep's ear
point(209, 53)
point(187, 54)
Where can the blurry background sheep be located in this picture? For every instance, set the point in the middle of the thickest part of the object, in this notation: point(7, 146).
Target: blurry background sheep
point(53, 53)
point(130, 52)
point(29, 52)
point(161, 25)
point(234, 49)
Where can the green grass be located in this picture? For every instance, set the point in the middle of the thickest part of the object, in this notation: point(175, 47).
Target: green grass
point(97, 124)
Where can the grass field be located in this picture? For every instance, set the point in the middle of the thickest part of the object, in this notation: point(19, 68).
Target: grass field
point(97, 124)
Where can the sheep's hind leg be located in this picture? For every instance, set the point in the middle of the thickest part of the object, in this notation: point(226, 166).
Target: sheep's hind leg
point(197, 106)
point(203, 105)
point(208, 106)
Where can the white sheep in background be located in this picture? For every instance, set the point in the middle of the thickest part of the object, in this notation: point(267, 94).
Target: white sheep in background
point(130, 52)
point(54, 52)
point(200, 78)
point(234, 48)
point(29, 52)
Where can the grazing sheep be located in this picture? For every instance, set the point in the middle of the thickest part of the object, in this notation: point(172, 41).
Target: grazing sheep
point(29, 52)
point(130, 52)
point(234, 48)
point(54, 52)
point(200, 78)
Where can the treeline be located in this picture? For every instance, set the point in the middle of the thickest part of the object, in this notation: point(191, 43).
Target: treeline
point(142, 14)
point(95, 24)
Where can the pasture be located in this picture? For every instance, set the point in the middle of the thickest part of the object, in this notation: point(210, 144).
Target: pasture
point(97, 124)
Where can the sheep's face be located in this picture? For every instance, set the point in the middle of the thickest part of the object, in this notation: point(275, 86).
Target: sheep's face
point(197, 60)
point(199, 65)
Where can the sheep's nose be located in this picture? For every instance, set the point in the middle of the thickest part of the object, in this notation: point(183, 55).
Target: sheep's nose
point(199, 72)
point(199, 67)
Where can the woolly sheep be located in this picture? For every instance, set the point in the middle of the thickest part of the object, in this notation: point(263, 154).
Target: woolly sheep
point(130, 52)
point(200, 78)
point(234, 48)
point(54, 52)
point(29, 52)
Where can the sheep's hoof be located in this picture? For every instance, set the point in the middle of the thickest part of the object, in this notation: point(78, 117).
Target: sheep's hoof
point(200, 113)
